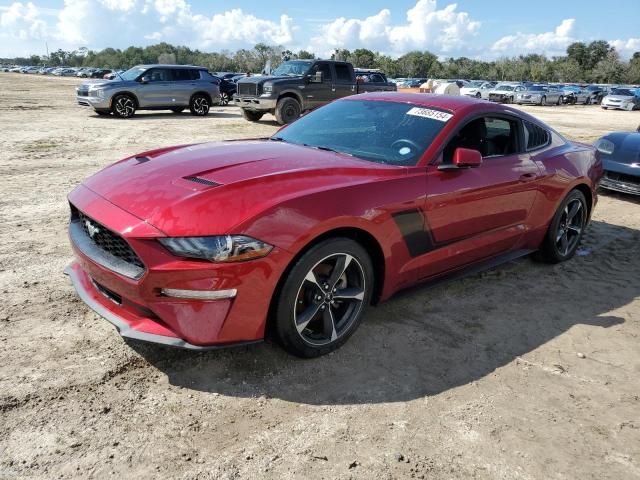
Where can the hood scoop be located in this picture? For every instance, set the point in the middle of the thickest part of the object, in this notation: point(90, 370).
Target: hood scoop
point(202, 181)
point(142, 159)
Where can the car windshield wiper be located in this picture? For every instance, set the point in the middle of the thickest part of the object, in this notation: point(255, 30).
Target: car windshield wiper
point(327, 149)
point(277, 139)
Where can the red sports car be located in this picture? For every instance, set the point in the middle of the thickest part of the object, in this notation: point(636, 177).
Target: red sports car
point(209, 245)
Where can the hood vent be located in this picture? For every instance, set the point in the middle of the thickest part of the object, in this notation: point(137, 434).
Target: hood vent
point(202, 181)
point(142, 159)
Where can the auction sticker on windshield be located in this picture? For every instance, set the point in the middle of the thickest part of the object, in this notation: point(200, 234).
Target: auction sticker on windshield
point(429, 113)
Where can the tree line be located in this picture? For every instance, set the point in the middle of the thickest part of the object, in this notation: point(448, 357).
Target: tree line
point(596, 62)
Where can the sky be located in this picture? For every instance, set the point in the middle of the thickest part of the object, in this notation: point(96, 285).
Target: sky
point(476, 29)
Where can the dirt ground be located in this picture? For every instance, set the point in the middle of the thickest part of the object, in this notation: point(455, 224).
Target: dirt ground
point(529, 371)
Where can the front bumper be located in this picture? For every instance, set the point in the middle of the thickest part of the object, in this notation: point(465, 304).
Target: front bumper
point(94, 102)
point(152, 307)
point(620, 182)
point(617, 105)
point(257, 104)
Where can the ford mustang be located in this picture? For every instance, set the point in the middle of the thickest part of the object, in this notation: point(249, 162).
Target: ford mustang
point(294, 236)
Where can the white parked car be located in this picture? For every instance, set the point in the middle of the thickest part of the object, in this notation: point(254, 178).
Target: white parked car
point(505, 92)
point(622, 99)
point(477, 89)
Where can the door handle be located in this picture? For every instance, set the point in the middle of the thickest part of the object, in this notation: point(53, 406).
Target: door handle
point(528, 177)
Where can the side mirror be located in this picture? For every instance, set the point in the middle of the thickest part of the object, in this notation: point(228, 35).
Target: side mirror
point(144, 79)
point(466, 158)
point(316, 78)
point(463, 158)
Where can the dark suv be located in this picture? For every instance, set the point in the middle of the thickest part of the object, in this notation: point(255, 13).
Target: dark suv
point(152, 87)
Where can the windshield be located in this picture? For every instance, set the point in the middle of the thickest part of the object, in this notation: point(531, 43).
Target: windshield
point(475, 83)
point(132, 73)
point(504, 87)
point(377, 131)
point(537, 88)
point(294, 68)
point(622, 91)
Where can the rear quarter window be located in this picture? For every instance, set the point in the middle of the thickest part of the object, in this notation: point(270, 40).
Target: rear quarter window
point(535, 136)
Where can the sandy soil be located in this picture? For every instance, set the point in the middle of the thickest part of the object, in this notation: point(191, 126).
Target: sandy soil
point(526, 372)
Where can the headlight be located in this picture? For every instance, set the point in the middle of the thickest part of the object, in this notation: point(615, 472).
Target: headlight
point(221, 248)
point(267, 89)
point(605, 146)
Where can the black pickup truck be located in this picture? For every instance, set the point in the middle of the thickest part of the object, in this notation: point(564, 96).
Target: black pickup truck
point(300, 85)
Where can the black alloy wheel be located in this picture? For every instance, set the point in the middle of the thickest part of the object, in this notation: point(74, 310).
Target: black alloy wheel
point(323, 299)
point(566, 229)
point(123, 106)
point(199, 105)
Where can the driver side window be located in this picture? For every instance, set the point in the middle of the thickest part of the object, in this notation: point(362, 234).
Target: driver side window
point(491, 136)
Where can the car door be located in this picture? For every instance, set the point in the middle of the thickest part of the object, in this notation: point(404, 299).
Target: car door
point(344, 84)
point(155, 88)
point(318, 94)
point(477, 213)
point(183, 85)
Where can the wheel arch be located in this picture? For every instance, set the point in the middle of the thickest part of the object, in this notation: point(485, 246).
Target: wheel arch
point(588, 195)
point(291, 94)
point(128, 93)
point(359, 235)
point(201, 92)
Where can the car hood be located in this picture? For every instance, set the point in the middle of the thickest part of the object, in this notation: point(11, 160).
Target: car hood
point(100, 82)
point(210, 188)
point(619, 97)
point(627, 149)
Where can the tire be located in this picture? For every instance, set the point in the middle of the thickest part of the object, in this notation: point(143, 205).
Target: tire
point(177, 109)
point(543, 101)
point(287, 110)
point(478, 95)
point(123, 106)
point(199, 105)
point(587, 101)
point(251, 116)
point(103, 113)
point(311, 316)
point(566, 229)
point(605, 108)
point(559, 101)
point(224, 99)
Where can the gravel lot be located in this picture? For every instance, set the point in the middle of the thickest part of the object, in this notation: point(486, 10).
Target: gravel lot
point(526, 372)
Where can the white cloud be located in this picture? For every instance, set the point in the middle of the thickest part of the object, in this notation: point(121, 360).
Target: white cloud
point(120, 23)
point(627, 47)
point(549, 43)
point(22, 22)
point(426, 27)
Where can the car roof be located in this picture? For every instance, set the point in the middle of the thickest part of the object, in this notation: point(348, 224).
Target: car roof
point(453, 103)
point(164, 65)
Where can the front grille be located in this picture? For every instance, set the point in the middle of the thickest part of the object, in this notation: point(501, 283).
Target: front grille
point(247, 89)
point(622, 177)
point(104, 246)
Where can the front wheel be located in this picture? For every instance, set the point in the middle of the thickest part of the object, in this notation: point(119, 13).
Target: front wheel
point(323, 298)
point(224, 99)
point(287, 110)
point(543, 101)
point(566, 229)
point(251, 116)
point(123, 106)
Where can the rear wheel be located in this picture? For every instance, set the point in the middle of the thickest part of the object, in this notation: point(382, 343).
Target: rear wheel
point(199, 105)
point(224, 98)
point(287, 110)
point(251, 116)
point(123, 106)
point(566, 229)
point(323, 298)
point(543, 100)
point(559, 101)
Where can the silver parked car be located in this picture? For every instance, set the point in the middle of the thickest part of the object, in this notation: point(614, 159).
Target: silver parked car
point(540, 95)
point(152, 87)
point(622, 98)
point(505, 92)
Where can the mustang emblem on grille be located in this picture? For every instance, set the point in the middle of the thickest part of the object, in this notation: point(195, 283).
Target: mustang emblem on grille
point(91, 228)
